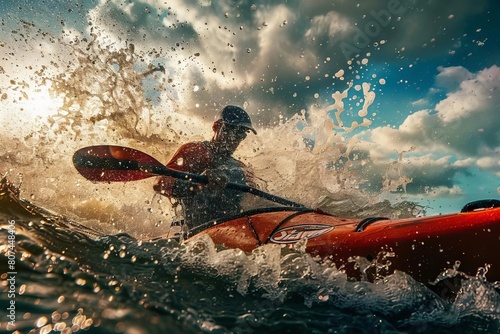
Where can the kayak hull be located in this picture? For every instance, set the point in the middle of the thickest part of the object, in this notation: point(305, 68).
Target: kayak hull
point(422, 247)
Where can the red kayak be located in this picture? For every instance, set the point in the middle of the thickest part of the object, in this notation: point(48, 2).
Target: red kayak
point(422, 247)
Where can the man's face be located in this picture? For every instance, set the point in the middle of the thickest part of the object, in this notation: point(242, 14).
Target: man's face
point(230, 137)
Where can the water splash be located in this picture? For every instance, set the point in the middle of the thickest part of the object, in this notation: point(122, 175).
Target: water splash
point(118, 280)
point(450, 273)
point(97, 93)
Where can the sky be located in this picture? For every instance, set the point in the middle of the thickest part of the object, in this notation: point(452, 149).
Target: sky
point(433, 69)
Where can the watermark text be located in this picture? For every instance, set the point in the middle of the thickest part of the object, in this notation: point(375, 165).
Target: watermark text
point(11, 274)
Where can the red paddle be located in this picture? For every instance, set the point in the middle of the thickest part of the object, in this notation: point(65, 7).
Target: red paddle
point(108, 163)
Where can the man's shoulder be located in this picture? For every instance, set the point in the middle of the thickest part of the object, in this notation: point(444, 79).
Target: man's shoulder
point(194, 156)
point(195, 147)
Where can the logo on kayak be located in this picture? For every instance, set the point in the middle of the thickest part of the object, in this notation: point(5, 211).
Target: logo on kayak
point(292, 234)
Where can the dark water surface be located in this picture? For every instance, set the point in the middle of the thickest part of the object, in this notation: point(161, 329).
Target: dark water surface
point(69, 278)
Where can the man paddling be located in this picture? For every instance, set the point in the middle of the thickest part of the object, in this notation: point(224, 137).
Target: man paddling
point(214, 159)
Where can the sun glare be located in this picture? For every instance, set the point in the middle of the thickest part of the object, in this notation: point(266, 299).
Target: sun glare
point(40, 103)
point(23, 109)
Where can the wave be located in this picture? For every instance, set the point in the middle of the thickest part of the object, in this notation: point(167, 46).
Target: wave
point(72, 277)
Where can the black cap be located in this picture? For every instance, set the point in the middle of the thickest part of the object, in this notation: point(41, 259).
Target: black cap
point(236, 116)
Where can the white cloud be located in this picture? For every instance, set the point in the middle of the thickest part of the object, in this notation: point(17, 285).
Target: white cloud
point(420, 102)
point(465, 163)
point(450, 78)
point(332, 25)
point(464, 127)
point(474, 97)
point(466, 121)
point(439, 192)
point(415, 133)
point(491, 163)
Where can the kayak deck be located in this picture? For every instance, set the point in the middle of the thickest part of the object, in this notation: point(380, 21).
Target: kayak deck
point(422, 247)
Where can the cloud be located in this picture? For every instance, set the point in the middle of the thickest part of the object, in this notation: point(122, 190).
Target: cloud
point(440, 192)
point(491, 163)
point(273, 57)
point(412, 174)
point(465, 122)
point(451, 77)
point(329, 26)
point(469, 115)
point(428, 173)
point(463, 127)
point(276, 58)
point(465, 163)
point(420, 102)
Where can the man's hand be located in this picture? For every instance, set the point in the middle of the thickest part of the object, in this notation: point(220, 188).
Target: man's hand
point(217, 179)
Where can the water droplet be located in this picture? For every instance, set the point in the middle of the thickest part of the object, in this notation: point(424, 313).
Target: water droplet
point(46, 329)
point(42, 321)
point(60, 327)
point(80, 281)
point(56, 316)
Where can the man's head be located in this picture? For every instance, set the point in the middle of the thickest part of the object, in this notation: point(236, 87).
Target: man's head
point(235, 116)
point(231, 128)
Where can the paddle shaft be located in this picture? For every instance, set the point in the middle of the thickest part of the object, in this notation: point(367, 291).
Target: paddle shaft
point(196, 178)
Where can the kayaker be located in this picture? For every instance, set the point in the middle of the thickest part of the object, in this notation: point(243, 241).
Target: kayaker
point(214, 158)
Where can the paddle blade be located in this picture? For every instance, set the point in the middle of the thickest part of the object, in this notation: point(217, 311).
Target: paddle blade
point(107, 163)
